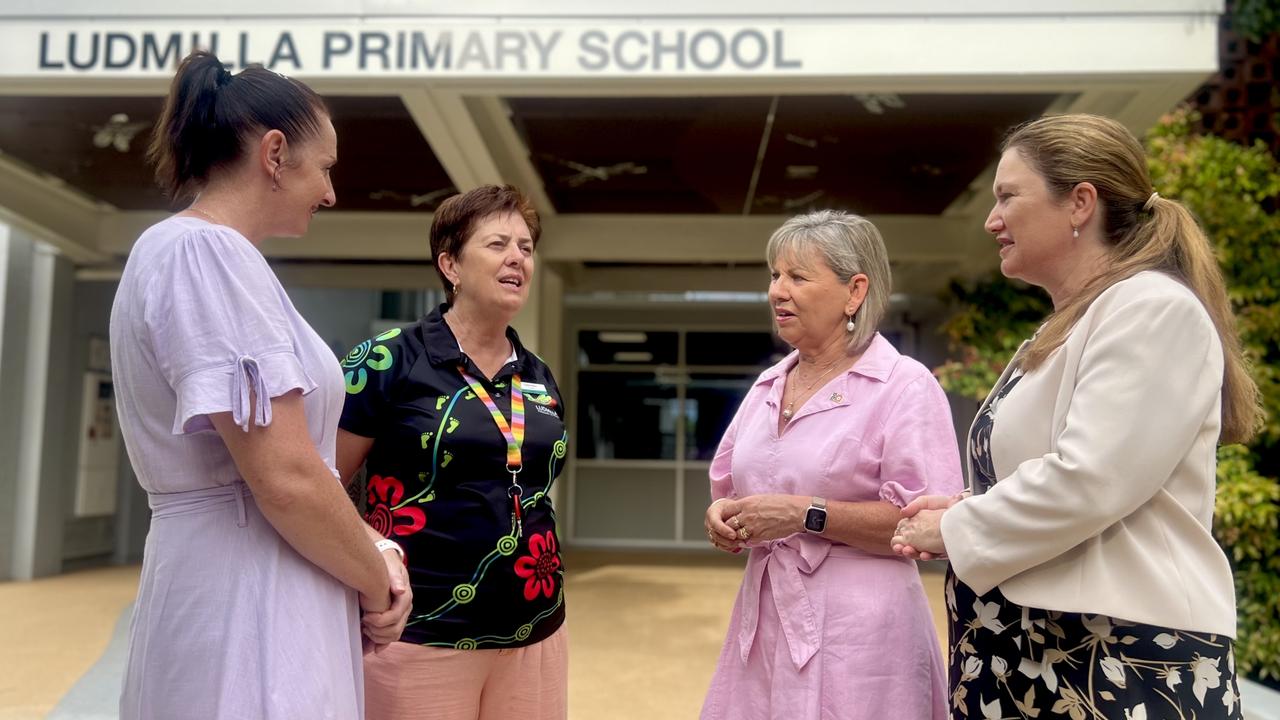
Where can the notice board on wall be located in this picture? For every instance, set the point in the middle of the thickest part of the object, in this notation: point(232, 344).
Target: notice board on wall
point(97, 468)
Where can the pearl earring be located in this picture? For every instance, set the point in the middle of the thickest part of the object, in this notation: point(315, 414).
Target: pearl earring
point(1075, 231)
point(848, 327)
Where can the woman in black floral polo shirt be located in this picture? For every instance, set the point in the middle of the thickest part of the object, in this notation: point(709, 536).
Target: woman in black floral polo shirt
point(463, 433)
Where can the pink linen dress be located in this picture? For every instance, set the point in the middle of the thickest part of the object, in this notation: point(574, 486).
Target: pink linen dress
point(821, 630)
point(230, 621)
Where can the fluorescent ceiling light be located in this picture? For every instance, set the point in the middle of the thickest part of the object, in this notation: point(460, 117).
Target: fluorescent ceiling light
point(613, 336)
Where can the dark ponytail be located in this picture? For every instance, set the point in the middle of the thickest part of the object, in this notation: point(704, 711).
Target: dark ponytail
point(211, 116)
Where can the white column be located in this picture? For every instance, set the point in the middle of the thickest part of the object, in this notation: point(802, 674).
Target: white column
point(551, 350)
point(541, 327)
point(551, 322)
point(32, 556)
point(528, 321)
point(8, 425)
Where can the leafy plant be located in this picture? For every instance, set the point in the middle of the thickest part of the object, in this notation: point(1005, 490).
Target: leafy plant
point(994, 315)
point(1232, 190)
point(1256, 19)
point(1246, 523)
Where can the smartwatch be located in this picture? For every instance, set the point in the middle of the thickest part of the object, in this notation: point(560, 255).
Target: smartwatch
point(815, 518)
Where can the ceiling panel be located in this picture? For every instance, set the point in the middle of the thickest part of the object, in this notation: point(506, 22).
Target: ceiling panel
point(56, 136)
point(384, 162)
point(97, 145)
point(874, 154)
point(883, 154)
point(643, 155)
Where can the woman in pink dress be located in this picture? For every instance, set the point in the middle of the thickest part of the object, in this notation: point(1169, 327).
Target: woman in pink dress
point(257, 565)
point(810, 477)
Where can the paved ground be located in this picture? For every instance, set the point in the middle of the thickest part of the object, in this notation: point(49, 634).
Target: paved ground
point(644, 633)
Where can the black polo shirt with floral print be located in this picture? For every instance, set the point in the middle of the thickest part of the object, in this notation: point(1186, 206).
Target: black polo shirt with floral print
point(438, 485)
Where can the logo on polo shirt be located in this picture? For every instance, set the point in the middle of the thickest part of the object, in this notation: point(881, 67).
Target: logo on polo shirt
point(542, 399)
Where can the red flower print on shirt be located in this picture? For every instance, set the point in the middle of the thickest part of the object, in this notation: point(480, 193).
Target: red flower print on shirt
point(539, 566)
point(384, 494)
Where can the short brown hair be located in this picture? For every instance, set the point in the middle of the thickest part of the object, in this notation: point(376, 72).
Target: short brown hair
point(456, 219)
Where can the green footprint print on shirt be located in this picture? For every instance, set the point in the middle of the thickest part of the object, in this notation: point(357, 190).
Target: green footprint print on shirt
point(376, 357)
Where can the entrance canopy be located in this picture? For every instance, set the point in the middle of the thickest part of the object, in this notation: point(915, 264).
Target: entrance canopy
point(669, 135)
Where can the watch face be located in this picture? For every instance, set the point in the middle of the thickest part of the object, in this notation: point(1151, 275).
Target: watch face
point(815, 520)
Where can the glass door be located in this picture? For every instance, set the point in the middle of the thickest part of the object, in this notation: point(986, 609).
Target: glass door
point(649, 407)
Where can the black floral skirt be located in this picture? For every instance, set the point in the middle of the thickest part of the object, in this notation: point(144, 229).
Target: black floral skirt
point(1009, 661)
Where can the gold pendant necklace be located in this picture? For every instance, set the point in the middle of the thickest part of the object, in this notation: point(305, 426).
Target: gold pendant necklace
point(789, 411)
point(207, 216)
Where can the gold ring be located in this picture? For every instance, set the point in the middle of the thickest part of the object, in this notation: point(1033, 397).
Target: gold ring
point(742, 533)
point(735, 522)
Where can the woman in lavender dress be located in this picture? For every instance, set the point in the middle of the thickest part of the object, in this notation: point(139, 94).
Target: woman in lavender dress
point(256, 566)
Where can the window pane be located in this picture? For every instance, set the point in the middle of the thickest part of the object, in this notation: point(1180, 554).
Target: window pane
point(697, 496)
point(734, 348)
point(624, 503)
point(626, 415)
point(627, 347)
point(711, 400)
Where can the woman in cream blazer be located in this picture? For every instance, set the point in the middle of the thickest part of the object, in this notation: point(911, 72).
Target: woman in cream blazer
point(1084, 578)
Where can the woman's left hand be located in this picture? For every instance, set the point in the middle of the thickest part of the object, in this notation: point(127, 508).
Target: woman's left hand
point(769, 517)
point(383, 628)
point(920, 536)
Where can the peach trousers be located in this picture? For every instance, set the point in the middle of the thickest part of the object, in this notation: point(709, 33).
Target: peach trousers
point(415, 681)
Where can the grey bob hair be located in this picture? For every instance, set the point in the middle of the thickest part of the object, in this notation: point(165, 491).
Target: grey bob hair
point(849, 244)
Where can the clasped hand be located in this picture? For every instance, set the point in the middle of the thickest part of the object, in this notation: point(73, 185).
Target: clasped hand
point(919, 533)
point(735, 523)
point(381, 624)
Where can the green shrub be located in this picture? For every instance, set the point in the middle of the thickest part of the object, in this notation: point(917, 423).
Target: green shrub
point(1247, 523)
point(1233, 191)
point(993, 316)
point(1256, 19)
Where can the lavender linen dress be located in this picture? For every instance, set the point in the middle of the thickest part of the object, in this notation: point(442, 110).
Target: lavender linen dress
point(230, 621)
point(821, 630)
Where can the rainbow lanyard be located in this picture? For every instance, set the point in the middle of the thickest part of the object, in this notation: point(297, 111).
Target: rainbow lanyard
point(513, 432)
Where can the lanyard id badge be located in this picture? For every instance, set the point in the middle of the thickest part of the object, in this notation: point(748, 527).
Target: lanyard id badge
point(514, 434)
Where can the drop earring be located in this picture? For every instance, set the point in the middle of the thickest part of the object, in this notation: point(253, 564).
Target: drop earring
point(1075, 232)
point(848, 327)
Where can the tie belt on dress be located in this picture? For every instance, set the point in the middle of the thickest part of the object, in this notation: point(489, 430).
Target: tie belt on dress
point(203, 500)
point(785, 560)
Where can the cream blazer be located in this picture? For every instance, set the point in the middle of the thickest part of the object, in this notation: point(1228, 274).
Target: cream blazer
point(1106, 459)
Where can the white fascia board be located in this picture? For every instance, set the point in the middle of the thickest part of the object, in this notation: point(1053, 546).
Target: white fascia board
point(603, 8)
point(386, 50)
